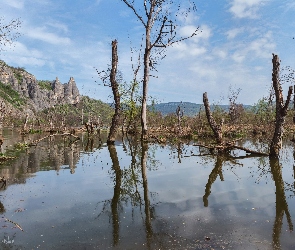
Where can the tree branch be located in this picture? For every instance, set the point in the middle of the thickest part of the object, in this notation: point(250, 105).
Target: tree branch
point(145, 8)
point(285, 108)
point(184, 38)
point(135, 12)
point(160, 34)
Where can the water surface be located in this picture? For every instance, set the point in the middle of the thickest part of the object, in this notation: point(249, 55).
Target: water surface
point(68, 194)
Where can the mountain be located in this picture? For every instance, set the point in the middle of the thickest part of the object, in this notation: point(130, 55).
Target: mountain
point(188, 108)
point(23, 91)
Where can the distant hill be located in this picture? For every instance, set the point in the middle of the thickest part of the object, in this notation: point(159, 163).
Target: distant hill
point(189, 108)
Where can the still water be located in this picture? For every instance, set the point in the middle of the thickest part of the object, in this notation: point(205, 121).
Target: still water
point(67, 194)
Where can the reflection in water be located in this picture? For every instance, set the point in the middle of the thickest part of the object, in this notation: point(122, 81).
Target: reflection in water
point(148, 222)
point(126, 189)
point(53, 153)
point(117, 191)
point(281, 203)
point(129, 173)
point(2, 208)
point(217, 170)
point(3, 180)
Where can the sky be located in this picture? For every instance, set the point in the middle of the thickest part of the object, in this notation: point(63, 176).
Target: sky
point(232, 50)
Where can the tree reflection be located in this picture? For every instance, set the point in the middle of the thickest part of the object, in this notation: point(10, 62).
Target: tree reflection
point(2, 208)
point(127, 185)
point(148, 221)
point(281, 203)
point(117, 191)
point(217, 171)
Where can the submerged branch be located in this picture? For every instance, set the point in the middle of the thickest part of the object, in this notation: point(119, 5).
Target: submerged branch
point(231, 146)
point(34, 143)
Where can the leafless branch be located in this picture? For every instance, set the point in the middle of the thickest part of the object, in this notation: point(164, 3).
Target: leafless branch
point(145, 8)
point(9, 32)
point(160, 34)
point(135, 12)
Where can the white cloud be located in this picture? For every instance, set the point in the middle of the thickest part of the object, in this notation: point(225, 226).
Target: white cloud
point(239, 56)
point(231, 34)
point(245, 8)
point(23, 50)
point(58, 26)
point(290, 5)
point(220, 53)
point(23, 57)
point(18, 4)
point(259, 48)
point(263, 46)
point(41, 34)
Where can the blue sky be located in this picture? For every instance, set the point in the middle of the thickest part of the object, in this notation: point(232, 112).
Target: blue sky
point(64, 38)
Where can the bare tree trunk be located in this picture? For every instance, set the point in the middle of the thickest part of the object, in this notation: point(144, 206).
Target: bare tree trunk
point(3, 112)
point(179, 114)
point(281, 108)
point(216, 128)
point(146, 76)
point(26, 122)
point(116, 94)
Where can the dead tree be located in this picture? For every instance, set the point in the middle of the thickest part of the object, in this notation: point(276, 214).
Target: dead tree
point(89, 127)
point(26, 122)
point(179, 114)
point(111, 78)
point(2, 114)
point(160, 32)
point(281, 108)
point(234, 108)
point(217, 129)
point(116, 94)
point(222, 146)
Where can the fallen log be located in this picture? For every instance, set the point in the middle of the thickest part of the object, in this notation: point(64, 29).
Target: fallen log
point(231, 146)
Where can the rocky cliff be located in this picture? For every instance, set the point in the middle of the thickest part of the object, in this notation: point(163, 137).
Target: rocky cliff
point(38, 94)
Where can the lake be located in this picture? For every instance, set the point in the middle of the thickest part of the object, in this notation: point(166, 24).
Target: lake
point(82, 194)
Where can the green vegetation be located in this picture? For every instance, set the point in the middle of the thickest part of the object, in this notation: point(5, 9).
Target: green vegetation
point(71, 115)
point(35, 131)
point(11, 96)
point(18, 76)
point(21, 146)
point(45, 84)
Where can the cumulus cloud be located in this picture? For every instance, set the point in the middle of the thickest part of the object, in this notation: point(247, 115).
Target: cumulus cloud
point(246, 8)
point(48, 37)
point(260, 48)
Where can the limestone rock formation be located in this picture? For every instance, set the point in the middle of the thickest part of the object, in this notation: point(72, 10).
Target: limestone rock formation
point(39, 94)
